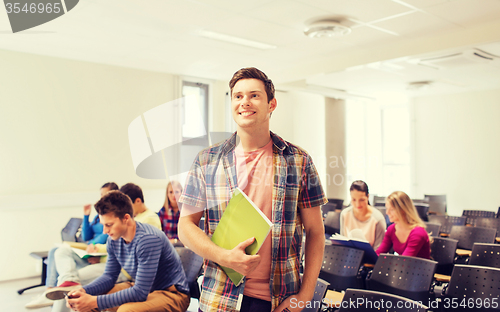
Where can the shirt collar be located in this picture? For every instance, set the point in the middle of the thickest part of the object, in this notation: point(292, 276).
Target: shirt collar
point(230, 144)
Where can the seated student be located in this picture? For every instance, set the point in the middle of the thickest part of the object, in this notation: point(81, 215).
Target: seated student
point(170, 212)
point(91, 234)
point(144, 252)
point(71, 276)
point(361, 217)
point(407, 234)
point(141, 213)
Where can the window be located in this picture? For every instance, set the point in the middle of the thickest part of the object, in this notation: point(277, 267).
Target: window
point(378, 145)
point(363, 144)
point(396, 149)
point(195, 113)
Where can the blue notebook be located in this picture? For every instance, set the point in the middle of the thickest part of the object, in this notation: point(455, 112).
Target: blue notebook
point(370, 254)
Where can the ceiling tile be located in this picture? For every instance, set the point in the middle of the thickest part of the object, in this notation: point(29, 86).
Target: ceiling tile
point(257, 30)
point(417, 23)
point(234, 6)
point(467, 12)
point(422, 4)
point(362, 10)
point(318, 45)
point(288, 54)
point(288, 13)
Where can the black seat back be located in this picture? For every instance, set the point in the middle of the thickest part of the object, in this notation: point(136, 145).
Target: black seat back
point(341, 267)
point(332, 222)
point(485, 255)
point(191, 263)
point(472, 215)
point(339, 203)
point(472, 283)
point(437, 204)
point(432, 228)
point(493, 223)
point(468, 235)
point(447, 222)
point(326, 208)
point(410, 277)
point(72, 231)
point(317, 300)
point(423, 211)
point(443, 251)
point(378, 201)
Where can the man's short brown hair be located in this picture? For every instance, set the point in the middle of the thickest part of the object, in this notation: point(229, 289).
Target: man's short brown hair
point(253, 73)
point(115, 202)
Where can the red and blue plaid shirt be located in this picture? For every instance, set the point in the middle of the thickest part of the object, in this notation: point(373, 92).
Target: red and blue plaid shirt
point(296, 185)
point(169, 220)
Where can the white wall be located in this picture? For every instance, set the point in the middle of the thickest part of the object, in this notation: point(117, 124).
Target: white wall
point(64, 123)
point(457, 149)
point(299, 119)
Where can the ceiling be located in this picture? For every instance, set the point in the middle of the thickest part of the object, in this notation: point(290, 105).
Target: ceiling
point(384, 52)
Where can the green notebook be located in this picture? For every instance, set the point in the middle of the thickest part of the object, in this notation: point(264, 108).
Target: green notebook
point(241, 220)
point(84, 255)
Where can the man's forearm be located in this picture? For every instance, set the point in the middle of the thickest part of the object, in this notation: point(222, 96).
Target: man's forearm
point(314, 248)
point(198, 241)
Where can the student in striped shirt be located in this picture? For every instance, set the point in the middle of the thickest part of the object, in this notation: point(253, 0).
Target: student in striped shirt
point(145, 253)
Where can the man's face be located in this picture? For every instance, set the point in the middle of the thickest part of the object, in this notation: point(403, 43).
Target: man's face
point(113, 226)
point(250, 105)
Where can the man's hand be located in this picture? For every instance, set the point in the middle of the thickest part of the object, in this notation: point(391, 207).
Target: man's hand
point(80, 301)
point(75, 293)
point(91, 248)
point(86, 209)
point(294, 303)
point(239, 261)
point(94, 260)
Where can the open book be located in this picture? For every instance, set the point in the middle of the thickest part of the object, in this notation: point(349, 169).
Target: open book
point(80, 250)
point(84, 255)
point(241, 220)
point(358, 243)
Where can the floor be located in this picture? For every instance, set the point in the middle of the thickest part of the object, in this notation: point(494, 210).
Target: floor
point(11, 301)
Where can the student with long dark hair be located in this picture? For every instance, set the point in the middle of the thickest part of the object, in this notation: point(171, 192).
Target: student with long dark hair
point(362, 218)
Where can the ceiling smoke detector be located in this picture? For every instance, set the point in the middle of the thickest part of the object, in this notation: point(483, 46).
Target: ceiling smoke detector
point(326, 29)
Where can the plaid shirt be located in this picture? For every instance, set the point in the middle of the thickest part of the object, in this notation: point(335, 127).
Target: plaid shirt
point(210, 184)
point(169, 220)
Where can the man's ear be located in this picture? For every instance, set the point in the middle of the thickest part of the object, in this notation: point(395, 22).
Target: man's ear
point(137, 201)
point(127, 217)
point(273, 104)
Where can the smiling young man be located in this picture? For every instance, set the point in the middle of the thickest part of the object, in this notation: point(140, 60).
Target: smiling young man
point(282, 181)
point(148, 257)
